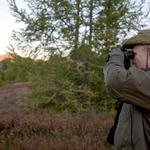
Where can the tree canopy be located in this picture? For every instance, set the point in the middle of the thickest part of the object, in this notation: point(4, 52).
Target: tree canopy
point(64, 25)
point(75, 35)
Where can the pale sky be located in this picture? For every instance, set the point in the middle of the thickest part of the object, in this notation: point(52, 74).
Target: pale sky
point(7, 24)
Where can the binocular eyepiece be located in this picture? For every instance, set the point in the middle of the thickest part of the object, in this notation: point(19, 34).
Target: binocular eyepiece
point(128, 56)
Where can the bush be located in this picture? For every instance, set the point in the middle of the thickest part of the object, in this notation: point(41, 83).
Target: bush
point(1, 77)
point(40, 130)
point(17, 69)
point(65, 84)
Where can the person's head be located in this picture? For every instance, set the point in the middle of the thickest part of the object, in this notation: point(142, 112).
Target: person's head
point(140, 56)
point(140, 45)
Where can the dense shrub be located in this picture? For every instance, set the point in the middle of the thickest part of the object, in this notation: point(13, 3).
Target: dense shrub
point(66, 84)
point(74, 83)
point(17, 68)
point(40, 130)
point(1, 77)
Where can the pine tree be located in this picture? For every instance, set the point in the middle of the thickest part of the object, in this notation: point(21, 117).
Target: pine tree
point(83, 31)
point(68, 24)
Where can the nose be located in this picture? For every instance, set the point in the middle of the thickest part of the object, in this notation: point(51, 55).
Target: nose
point(133, 61)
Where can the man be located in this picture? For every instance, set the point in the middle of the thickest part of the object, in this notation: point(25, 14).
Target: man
point(132, 87)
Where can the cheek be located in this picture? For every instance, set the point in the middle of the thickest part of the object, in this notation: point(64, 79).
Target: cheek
point(135, 58)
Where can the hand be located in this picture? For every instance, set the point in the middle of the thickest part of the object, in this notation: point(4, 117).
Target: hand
point(116, 54)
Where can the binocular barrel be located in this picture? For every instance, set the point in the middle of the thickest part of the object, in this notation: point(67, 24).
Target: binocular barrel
point(127, 56)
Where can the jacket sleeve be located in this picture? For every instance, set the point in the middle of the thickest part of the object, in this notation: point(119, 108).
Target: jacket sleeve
point(129, 86)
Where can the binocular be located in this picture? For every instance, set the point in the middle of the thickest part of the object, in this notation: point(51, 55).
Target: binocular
point(128, 56)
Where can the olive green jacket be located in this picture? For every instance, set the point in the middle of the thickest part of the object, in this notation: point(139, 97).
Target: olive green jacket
point(133, 88)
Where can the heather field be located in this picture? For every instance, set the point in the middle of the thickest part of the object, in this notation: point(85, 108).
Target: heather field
point(27, 129)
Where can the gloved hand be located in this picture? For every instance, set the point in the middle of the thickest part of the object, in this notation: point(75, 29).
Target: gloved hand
point(116, 54)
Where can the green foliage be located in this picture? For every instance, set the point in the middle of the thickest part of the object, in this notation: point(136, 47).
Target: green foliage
point(1, 77)
point(73, 83)
point(17, 69)
point(9, 70)
point(69, 83)
point(67, 24)
point(75, 36)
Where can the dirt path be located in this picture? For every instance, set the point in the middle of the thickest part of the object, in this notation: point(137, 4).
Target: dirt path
point(11, 93)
